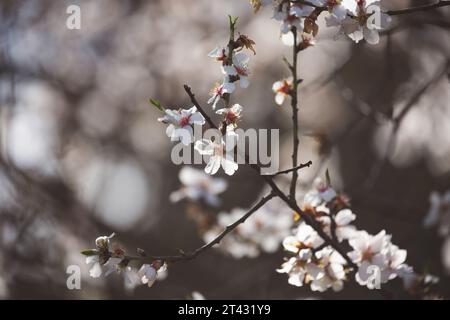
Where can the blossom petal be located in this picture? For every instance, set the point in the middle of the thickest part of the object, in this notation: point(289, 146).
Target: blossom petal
point(344, 217)
point(213, 165)
point(244, 82)
point(228, 165)
point(204, 147)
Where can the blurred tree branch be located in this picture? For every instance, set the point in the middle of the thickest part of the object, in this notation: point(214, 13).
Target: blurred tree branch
point(439, 4)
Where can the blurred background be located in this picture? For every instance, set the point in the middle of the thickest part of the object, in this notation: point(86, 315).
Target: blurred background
point(82, 153)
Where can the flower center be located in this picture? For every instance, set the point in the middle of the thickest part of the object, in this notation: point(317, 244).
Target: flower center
point(291, 18)
point(218, 150)
point(185, 121)
point(242, 71)
point(367, 254)
point(231, 116)
point(285, 88)
point(332, 3)
point(217, 90)
point(360, 3)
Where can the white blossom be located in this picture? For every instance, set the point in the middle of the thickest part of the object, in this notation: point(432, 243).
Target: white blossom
point(96, 268)
point(232, 114)
point(282, 89)
point(219, 53)
point(220, 152)
point(337, 8)
point(288, 20)
point(369, 252)
point(321, 193)
point(304, 237)
point(148, 274)
point(343, 229)
point(395, 264)
point(218, 91)
point(330, 272)
point(359, 25)
point(131, 277)
point(239, 68)
point(302, 10)
point(180, 124)
point(323, 270)
point(97, 260)
point(296, 268)
point(112, 265)
point(199, 186)
point(197, 296)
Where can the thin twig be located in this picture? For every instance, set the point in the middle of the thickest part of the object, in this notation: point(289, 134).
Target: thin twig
point(227, 230)
point(303, 165)
point(294, 106)
point(376, 171)
point(199, 108)
point(439, 4)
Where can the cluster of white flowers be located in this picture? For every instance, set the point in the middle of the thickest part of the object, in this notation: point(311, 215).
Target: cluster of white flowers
point(106, 259)
point(314, 261)
point(262, 232)
point(234, 66)
point(358, 19)
point(376, 254)
point(378, 260)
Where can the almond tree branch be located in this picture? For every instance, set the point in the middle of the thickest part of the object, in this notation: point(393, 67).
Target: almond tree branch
point(422, 8)
point(439, 4)
point(291, 202)
point(193, 254)
point(303, 165)
point(199, 108)
point(294, 106)
point(397, 121)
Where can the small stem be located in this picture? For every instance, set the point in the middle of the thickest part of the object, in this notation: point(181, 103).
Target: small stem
point(303, 165)
point(193, 254)
point(294, 105)
point(199, 108)
point(439, 4)
point(229, 60)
